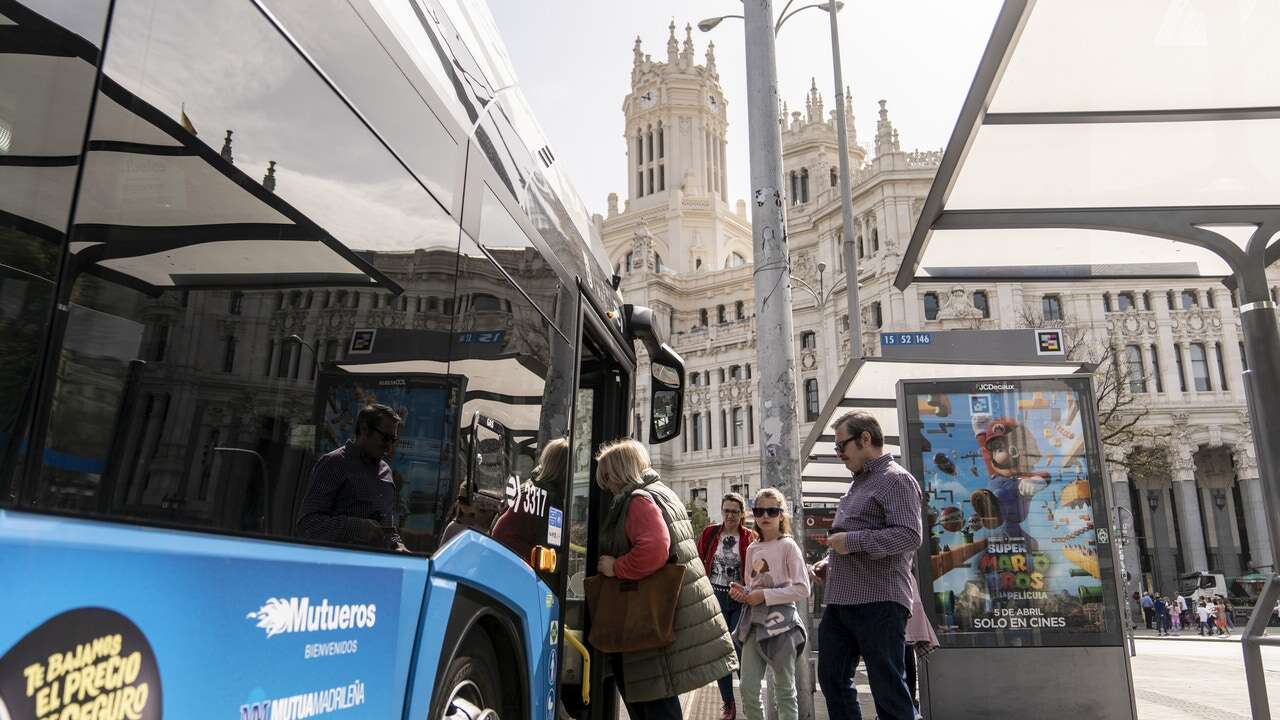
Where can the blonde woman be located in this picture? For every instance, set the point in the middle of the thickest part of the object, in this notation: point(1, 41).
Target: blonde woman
point(771, 632)
point(645, 526)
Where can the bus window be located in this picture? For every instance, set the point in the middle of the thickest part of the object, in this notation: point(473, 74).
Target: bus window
point(45, 98)
point(183, 388)
point(518, 371)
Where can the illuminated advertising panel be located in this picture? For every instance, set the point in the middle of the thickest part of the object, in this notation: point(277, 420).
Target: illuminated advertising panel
point(1017, 550)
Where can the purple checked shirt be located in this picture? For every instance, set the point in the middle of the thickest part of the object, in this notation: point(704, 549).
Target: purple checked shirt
point(881, 514)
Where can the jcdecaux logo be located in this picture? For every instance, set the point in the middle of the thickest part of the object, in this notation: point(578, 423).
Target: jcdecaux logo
point(278, 616)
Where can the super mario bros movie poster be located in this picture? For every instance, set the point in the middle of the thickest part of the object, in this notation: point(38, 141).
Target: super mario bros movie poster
point(1009, 471)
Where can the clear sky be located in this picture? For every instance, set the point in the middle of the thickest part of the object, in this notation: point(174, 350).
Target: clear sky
point(573, 59)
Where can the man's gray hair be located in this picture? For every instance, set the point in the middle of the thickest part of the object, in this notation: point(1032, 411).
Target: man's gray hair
point(859, 421)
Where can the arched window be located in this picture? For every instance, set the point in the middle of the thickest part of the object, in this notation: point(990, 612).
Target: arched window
point(877, 317)
point(483, 302)
point(648, 155)
point(795, 188)
point(721, 318)
point(834, 179)
point(702, 317)
point(930, 306)
point(804, 185)
point(811, 408)
point(981, 302)
point(629, 265)
point(861, 249)
point(657, 262)
point(661, 142)
point(735, 372)
point(875, 239)
point(1199, 367)
point(1189, 299)
point(1124, 301)
point(739, 310)
point(808, 340)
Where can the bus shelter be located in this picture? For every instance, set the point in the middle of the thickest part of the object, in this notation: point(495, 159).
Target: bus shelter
point(1124, 140)
point(1048, 599)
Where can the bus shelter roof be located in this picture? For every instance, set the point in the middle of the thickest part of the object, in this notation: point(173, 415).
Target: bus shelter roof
point(1109, 140)
point(871, 384)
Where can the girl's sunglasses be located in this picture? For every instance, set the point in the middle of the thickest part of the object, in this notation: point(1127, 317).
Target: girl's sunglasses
point(772, 512)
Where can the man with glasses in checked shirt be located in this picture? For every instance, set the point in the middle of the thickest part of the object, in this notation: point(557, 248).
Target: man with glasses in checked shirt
point(352, 498)
point(867, 573)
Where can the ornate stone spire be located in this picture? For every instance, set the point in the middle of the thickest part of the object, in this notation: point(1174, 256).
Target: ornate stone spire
point(673, 48)
point(637, 60)
point(813, 103)
point(711, 59)
point(269, 180)
point(226, 149)
point(686, 54)
point(885, 140)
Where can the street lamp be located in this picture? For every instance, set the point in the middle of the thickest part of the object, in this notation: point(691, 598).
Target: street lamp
point(842, 139)
point(1219, 498)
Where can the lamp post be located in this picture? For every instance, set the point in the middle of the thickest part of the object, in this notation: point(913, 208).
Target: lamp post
point(1153, 504)
point(846, 185)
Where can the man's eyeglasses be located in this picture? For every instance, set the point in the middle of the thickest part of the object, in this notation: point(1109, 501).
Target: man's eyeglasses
point(392, 438)
point(841, 443)
point(772, 512)
point(726, 511)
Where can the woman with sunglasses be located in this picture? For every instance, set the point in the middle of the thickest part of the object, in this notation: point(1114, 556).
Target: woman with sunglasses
point(771, 633)
point(723, 549)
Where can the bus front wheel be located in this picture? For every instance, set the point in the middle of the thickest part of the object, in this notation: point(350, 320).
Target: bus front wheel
point(470, 688)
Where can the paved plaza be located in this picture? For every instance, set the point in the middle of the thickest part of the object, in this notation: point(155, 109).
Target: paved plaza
point(1181, 678)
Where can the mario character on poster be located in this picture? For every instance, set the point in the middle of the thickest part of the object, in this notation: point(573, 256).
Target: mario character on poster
point(1010, 511)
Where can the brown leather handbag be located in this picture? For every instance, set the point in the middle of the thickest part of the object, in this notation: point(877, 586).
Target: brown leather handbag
point(634, 615)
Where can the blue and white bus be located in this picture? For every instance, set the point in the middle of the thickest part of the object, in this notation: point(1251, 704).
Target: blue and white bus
point(224, 228)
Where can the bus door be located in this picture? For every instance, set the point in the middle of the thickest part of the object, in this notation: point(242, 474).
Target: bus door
point(600, 415)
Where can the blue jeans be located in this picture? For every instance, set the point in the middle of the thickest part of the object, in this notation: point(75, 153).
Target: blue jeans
point(732, 610)
point(874, 633)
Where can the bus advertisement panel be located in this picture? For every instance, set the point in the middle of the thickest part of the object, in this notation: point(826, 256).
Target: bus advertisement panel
point(151, 624)
point(1017, 552)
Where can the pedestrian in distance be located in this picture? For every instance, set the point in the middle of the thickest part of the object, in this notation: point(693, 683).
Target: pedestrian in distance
point(1162, 616)
point(1220, 618)
point(1137, 607)
point(1175, 616)
point(770, 631)
point(1231, 621)
point(1202, 614)
point(1180, 601)
point(1148, 609)
point(868, 583)
point(645, 525)
point(723, 550)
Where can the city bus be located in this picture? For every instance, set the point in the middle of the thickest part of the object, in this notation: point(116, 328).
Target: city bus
point(227, 228)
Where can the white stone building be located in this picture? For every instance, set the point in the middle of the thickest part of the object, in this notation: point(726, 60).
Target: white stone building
point(682, 249)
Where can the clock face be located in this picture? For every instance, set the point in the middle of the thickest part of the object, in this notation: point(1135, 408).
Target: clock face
point(647, 99)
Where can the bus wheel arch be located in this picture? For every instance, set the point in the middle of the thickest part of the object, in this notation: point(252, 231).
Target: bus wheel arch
point(482, 673)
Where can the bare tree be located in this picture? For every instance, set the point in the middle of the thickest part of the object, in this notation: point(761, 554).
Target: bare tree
point(1120, 386)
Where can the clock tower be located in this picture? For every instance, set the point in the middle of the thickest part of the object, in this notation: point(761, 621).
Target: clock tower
point(675, 123)
point(676, 216)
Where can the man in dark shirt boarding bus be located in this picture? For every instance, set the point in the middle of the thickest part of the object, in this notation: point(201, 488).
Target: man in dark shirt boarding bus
point(352, 497)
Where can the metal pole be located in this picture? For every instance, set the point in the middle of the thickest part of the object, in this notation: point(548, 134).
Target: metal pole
point(1125, 599)
point(1262, 386)
point(846, 196)
point(775, 343)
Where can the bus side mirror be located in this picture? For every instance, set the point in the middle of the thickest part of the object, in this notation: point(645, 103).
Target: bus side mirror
point(666, 394)
point(666, 401)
